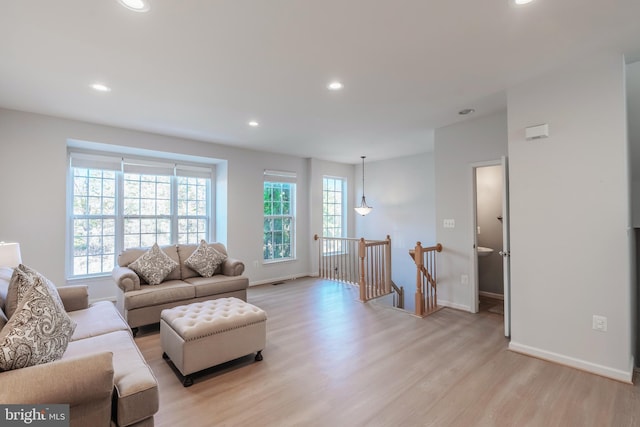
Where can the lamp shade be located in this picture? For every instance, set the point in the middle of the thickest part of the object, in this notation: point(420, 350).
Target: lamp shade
point(10, 255)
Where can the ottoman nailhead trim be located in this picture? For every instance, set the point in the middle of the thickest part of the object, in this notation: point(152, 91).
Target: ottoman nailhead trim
point(244, 325)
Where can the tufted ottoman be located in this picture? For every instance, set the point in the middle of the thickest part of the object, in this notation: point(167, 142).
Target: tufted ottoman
point(204, 334)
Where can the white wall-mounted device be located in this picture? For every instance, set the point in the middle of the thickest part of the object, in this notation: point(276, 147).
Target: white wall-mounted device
point(537, 132)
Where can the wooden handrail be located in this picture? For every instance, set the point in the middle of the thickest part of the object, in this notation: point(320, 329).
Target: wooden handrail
point(366, 263)
point(426, 296)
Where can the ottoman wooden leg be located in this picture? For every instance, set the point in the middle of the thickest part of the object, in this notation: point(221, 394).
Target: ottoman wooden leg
point(259, 356)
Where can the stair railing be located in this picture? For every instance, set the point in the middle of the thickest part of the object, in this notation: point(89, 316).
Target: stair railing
point(426, 296)
point(365, 263)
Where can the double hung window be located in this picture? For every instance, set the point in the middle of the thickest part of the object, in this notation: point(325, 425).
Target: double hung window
point(333, 213)
point(279, 206)
point(118, 203)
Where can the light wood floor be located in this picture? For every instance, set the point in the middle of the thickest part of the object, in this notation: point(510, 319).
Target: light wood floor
point(333, 361)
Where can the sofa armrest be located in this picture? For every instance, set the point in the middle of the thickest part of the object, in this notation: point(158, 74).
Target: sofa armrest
point(74, 381)
point(74, 297)
point(126, 279)
point(232, 267)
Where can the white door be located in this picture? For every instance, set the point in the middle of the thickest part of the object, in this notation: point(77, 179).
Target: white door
point(506, 250)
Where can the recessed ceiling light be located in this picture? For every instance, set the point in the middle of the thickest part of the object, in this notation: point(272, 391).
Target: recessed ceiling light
point(335, 86)
point(136, 5)
point(522, 1)
point(466, 111)
point(254, 124)
point(100, 87)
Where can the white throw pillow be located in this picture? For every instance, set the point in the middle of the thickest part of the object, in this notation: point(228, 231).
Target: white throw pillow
point(205, 259)
point(154, 265)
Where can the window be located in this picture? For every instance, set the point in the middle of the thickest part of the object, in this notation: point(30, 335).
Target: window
point(94, 220)
point(147, 210)
point(121, 203)
point(279, 216)
point(333, 212)
point(193, 206)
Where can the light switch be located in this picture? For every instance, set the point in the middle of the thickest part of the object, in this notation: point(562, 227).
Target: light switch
point(449, 223)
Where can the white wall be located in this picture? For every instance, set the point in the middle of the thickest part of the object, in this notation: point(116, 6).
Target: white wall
point(33, 168)
point(457, 148)
point(570, 218)
point(402, 193)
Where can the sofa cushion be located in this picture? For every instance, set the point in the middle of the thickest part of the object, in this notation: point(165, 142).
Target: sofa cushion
point(136, 387)
point(205, 259)
point(148, 295)
point(39, 330)
point(206, 286)
point(99, 318)
point(185, 251)
point(154, 265)
point(130, 255)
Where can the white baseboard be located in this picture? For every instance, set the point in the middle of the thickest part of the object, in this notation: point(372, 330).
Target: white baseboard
point(457, 306)
point(625, 376)
point(491, 295)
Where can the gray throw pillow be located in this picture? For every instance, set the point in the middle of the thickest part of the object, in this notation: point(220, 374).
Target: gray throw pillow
point(39, 330)
point(205, 259)
point(154, 265)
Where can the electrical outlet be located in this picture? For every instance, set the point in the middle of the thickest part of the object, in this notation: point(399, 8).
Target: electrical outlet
point(599, 323)
point(449, 223)
point(256, 264)
point(478, 229)
point(464, 279)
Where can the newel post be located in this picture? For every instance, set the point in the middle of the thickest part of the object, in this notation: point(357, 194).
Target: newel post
point(387, 265)
point(419, 295)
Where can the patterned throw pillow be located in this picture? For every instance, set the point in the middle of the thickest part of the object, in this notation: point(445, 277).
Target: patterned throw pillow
point(205, 259)
point(39, 330)
point(154, 265)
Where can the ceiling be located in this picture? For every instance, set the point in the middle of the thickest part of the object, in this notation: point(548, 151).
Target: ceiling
point(202, 69)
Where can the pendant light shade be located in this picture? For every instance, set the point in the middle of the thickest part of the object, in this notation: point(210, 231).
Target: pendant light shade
point(363, 209)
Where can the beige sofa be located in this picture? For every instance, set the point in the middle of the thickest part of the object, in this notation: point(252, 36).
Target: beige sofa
point(141, 303)
point(102, 374)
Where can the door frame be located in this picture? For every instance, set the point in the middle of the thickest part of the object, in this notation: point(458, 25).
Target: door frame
point(474, 287)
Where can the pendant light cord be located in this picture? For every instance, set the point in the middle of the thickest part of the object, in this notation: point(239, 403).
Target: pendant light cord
point(362, 157)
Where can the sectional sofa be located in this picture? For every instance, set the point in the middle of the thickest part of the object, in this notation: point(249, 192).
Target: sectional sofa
point(102, 375)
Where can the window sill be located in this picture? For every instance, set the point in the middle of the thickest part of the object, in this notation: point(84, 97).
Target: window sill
point(81, 280)
point(278, 261)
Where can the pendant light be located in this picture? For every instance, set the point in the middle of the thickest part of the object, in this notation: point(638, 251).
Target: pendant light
point(363, 209)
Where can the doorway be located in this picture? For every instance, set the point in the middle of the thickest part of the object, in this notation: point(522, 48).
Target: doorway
point(490, 256)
